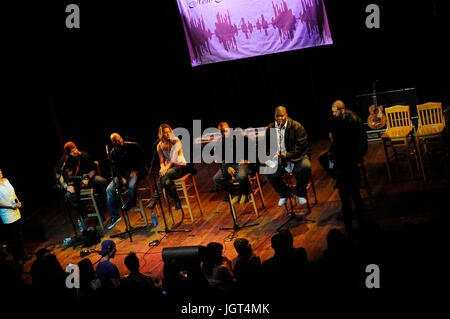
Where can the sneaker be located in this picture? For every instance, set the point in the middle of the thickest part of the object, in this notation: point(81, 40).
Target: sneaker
point(301, 200)
point(234, 200)
point(114, 221)
point(243, 199)
point(282, 201)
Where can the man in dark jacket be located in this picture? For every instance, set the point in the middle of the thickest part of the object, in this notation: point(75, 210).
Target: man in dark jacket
point(238, 167)
point(128, 165)
point(293, 155)
point(76, 170)
point(350, 146)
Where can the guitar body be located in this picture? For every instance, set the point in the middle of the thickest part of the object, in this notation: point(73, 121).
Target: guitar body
point(376, 119)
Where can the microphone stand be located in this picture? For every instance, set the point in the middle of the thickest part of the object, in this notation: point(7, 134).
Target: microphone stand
point(236, 227)
point(155, 186)
point(65, 208)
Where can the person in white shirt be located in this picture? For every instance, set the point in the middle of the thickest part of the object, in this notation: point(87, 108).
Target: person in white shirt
point(173, 165)
point(11, 218)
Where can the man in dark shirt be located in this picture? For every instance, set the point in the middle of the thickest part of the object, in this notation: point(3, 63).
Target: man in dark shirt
point(237, 168)
point(107, 272)
point(127, 161)
point(77, 170)
point(293, 155)
point(136, 284)
point(350, 146)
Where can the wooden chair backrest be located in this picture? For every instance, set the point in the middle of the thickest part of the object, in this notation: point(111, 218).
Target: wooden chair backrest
point(398, 116)
point(430, 114)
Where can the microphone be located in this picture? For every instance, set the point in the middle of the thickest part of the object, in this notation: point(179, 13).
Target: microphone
point(128, 142)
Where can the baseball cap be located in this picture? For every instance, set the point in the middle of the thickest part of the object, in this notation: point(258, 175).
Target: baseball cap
point(107, 246)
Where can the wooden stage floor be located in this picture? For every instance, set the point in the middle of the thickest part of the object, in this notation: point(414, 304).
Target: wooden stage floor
point(403, 200)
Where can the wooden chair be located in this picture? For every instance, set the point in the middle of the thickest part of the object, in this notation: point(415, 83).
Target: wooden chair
point(430, 131)
point(142, 190)
point(255, 188)
point(399, 135)
point(88, 195)
point(183, 185)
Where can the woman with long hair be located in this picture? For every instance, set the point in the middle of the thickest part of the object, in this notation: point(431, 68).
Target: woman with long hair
point(173, 165)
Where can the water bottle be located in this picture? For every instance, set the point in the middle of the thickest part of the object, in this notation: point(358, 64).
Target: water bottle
point(331, 164)
point(80, 225)
point(154, 219)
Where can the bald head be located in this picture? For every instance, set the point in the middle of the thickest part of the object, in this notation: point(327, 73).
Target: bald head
point(338, 108)
point(116, 139)
point(281, 115)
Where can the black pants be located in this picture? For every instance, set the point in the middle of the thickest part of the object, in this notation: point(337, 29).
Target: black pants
point(324, 160)
point(301, 172)
point(348, 180)
point(166, 181)
point(14, 233)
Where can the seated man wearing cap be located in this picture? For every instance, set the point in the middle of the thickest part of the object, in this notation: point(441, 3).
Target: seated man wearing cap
point(76, 170)
point(237, 168)
point(107, 272)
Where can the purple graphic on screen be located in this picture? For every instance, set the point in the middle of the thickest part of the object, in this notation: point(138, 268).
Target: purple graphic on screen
point(284, 21)
point(225, 31)
point(298, 24)
point(313, 17)
point(246, 29)
point(262, 25)
point(198, 35)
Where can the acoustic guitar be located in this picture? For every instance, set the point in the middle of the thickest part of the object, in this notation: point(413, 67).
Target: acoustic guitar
point(376, 119)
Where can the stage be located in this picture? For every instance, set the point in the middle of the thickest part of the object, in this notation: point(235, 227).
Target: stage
point(394, 205)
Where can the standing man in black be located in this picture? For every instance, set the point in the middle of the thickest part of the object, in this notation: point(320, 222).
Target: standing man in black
point(350, 146)
point(128, 165)
point(293, 156)
point(77, 170)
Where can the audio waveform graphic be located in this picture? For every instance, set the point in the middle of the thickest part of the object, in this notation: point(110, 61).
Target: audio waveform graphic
point(310, 15)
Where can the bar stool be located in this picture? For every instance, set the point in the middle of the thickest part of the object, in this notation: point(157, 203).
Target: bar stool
point(88, 195)
point(143, 191)
point(255, 188)
point(183, 185)
point(309, 186)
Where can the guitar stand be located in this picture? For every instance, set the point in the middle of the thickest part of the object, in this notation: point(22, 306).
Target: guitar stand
point(236, 227)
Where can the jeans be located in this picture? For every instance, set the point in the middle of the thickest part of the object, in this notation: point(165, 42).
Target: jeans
point(112, 196)
point(222, 179)
point(301, 172)
point(98, 183)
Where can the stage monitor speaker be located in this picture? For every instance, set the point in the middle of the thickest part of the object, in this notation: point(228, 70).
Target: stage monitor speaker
point(184, 255)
